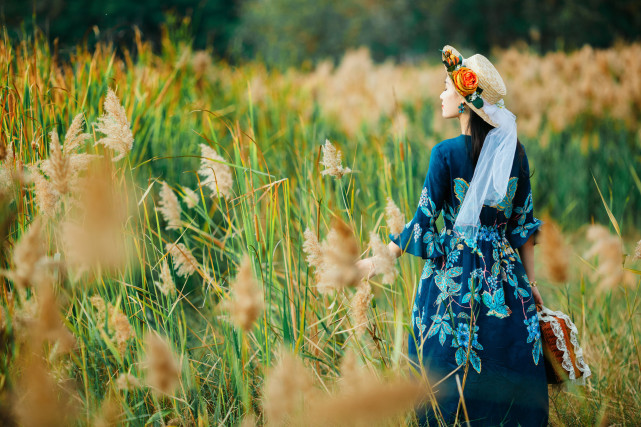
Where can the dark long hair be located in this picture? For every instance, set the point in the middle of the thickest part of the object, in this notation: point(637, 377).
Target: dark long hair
point(479, 129)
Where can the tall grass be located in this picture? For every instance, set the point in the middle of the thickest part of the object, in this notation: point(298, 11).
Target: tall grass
point(268, 129)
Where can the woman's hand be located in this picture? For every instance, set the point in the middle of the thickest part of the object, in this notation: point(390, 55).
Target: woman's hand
point(367, 267)
point(537, 295)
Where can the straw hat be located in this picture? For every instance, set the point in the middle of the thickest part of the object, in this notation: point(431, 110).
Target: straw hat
point(490, 83)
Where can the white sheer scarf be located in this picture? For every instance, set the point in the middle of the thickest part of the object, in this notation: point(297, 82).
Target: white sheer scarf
point(492, 171)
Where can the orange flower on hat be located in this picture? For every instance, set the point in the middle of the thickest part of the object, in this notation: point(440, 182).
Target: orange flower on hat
point(465, 80)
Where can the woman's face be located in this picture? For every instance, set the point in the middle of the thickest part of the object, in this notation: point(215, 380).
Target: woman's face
point(450, 100)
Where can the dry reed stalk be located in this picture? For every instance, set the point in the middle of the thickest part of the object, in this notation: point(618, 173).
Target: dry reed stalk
point(340, 253)
point(247, 301)
point(394, 218)
point(554, 252)
point(115, 126)
point(166, 283)
point(169, 207)
point(184, 262)
point(384, 260)
point(161, 364)
point(218, 176)
point(332, 161)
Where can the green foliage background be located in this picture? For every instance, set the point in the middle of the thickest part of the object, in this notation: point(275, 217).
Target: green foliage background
point(290, 32)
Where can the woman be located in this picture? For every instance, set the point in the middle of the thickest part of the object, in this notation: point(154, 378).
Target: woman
point(474, 310)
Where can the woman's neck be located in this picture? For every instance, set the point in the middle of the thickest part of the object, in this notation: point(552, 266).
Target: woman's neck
point(464, 120)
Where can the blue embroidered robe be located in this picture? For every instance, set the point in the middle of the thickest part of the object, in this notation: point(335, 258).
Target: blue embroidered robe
point(475, 303)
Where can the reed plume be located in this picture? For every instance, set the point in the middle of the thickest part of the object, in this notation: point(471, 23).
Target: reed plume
point(247, 300)
point(40, 399)
point(184, 262)
point(74, 138)
point(29, 257)
point(374, 401)
point(394, 218)
point(166, 283)
point(332, 161)
point(49, 325)
point(359, 306)
point(161, 364)
point(637, 252)
point(117, 322)
point(169, 207)
point(362, 399)
point(312, 248)
point(608, 248)
point(340, 254)
point(126, 381)
point(384, 260)
point(8, 170)
point(115, 126)
point(190, 197)
point(218, 176)
point(109, 413)
point(554, 251)
point(288, 388)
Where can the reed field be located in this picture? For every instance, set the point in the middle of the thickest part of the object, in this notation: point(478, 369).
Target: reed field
point(179, 234)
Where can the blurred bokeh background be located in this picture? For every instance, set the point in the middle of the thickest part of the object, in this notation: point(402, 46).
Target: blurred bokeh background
point(293, 32)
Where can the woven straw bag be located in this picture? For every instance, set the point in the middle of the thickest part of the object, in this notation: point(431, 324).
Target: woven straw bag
point(561, 350)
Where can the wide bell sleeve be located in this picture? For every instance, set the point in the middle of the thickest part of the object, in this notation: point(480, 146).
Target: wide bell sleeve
point(420, 236)
point(522, 223)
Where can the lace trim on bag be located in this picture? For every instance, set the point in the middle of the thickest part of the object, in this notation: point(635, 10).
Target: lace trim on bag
point(549, 316)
